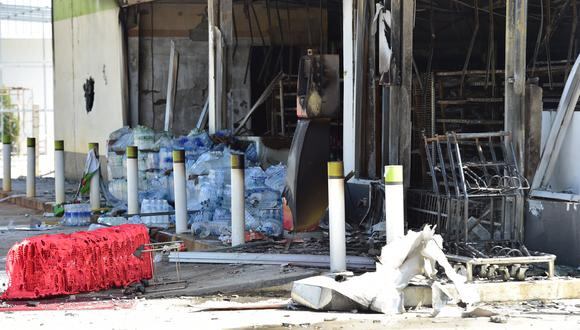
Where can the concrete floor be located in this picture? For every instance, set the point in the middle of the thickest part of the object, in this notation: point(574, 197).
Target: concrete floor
point(44, 188)
point(202, 279)
point(211, 283)
point(185, 312)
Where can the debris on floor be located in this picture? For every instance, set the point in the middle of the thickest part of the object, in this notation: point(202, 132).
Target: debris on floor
point(417, 253)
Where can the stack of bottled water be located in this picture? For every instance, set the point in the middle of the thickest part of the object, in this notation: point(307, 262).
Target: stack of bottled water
point(264, 204)
point(144, 138)
point(116, 165)
point(118, 188)
point(155, 206)
point(77, 215)
point(276, 177)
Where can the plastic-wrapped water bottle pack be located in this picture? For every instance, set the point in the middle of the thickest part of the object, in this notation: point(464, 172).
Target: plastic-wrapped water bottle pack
point(155, 206)
point(77, 215)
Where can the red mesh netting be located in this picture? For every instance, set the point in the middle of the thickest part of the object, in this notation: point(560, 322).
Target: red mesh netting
point(49, 265)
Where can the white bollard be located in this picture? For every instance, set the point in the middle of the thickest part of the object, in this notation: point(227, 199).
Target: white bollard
point(7, 154)
point(31, 167)
point(238, 201)
point(394, 202)
point(336, 217)
point(132, 180)
point(59, 197)
point(179, 182)
point(95, 185)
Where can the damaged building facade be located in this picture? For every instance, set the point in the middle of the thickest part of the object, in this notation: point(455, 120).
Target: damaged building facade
point(475, 99)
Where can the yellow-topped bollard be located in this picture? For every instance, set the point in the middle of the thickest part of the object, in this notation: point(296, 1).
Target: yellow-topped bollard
point(59, 194)
point(238, 201)
point(31, 167)
point(179, 182)
point(132, 180)
point(336, 217)
point(394, 202)
point(7, 169)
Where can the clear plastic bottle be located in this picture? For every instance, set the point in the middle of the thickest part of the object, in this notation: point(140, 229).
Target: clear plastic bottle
point(144, 210)
point(158, 208)
point(200, 229)
point(75, 215)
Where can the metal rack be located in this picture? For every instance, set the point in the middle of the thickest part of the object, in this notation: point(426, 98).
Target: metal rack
point(476, 187)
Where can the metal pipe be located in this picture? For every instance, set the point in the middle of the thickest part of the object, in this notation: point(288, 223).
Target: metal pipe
point(31, 167)
point(59, 195)
point(336, 215)
point(132, 180)
point(353, 262)
point(95, 184)
point(238, 200)
point(7, 154)
point(394, 202)
point(348, 113)
point(179, 191)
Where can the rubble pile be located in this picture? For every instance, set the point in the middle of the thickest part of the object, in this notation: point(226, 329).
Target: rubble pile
point(208, 185)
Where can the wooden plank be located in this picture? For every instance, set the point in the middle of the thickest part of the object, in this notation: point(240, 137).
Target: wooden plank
point(171, 87)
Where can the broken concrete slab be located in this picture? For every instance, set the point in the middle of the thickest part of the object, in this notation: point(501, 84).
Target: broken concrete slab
point(491, 292)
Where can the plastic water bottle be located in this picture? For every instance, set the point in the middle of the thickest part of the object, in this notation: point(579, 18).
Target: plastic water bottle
point(75, 215)
point(200, 229)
